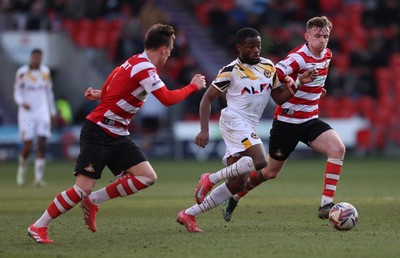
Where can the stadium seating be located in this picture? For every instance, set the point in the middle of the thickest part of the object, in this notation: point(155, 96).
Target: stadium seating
point(98, 34)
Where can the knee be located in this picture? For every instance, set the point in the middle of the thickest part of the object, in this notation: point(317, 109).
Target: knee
point(258, 162)
point(338, 151)
point(149, 178)
point(85, 183)
point(26, 149)
point(152, 178)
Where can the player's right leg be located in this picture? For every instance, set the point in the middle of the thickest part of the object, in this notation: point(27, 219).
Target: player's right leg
point(62, 203)
point(40, 162)
point(26, 127)
point(330, 144)
point(23, 162)
point(43, 133)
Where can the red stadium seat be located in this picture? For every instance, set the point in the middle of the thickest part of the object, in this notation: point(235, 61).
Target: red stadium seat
point(382, 74)
point(82, 38)
point(202, 10)
point(85, 24)
point(359, 36)
point(226, 5)
point(99, 38)
point(366, 106)
point(81, 32)
point(113, 36)
point(346, 107)
point(341, 63)
point(102, 24)
point(364, 139)
point(100, 33)
point(328, 107)
point(394, 60)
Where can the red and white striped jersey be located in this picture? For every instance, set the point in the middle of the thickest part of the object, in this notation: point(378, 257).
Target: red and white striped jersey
point(123, 94)
point(303, 106)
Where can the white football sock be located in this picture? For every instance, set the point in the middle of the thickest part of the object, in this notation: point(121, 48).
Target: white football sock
point(215, 198)
point(99, 196)
point(325, 200)
point(240, 167)
point(39, 169)
point(22, 168)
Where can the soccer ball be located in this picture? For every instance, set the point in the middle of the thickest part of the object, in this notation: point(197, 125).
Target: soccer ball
point(343, 216)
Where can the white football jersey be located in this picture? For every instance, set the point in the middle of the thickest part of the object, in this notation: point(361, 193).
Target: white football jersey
point(34, 87)
point(248, 89)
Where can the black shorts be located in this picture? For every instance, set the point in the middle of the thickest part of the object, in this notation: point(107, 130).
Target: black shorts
point(99, 149)
point(284, 137)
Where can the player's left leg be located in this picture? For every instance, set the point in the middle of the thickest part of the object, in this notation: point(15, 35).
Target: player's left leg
point(62, 203)
point(26, 128)
point(332, 146)
point(40, 161)
point(217, 196)
point(207, 180)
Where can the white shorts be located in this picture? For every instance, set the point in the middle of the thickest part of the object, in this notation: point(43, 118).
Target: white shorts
point(31, 127)
point(238, 137)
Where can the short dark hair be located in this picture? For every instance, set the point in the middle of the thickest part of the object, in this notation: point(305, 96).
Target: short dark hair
point(319, 22)
point(245, 33)
point(159, 35)
point(36, 51)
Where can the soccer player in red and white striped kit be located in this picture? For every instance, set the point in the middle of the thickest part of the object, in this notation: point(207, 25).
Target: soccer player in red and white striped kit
point(104, 137)
point(297, 119)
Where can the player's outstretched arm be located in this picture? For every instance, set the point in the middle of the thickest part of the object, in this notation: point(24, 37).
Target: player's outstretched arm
point(170, 97)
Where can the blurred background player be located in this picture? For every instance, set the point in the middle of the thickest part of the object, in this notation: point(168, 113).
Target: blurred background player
point(104, 139)
point(248, 82)
point(34, 96)
point(297, 120)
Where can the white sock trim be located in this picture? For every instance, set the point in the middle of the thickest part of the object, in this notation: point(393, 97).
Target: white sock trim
point(81, 193)
point(144, 180)
point(336, 161)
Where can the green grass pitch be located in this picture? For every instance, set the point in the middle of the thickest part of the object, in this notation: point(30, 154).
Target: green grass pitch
point(278, 219)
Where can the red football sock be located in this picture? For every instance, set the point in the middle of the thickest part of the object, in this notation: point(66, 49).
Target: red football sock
point(331, 179)
point(255, 178)
point(127, 185)
point(65, 201)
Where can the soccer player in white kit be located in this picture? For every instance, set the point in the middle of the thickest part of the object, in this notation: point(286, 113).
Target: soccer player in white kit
point(248, 82)
point(34, 96)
